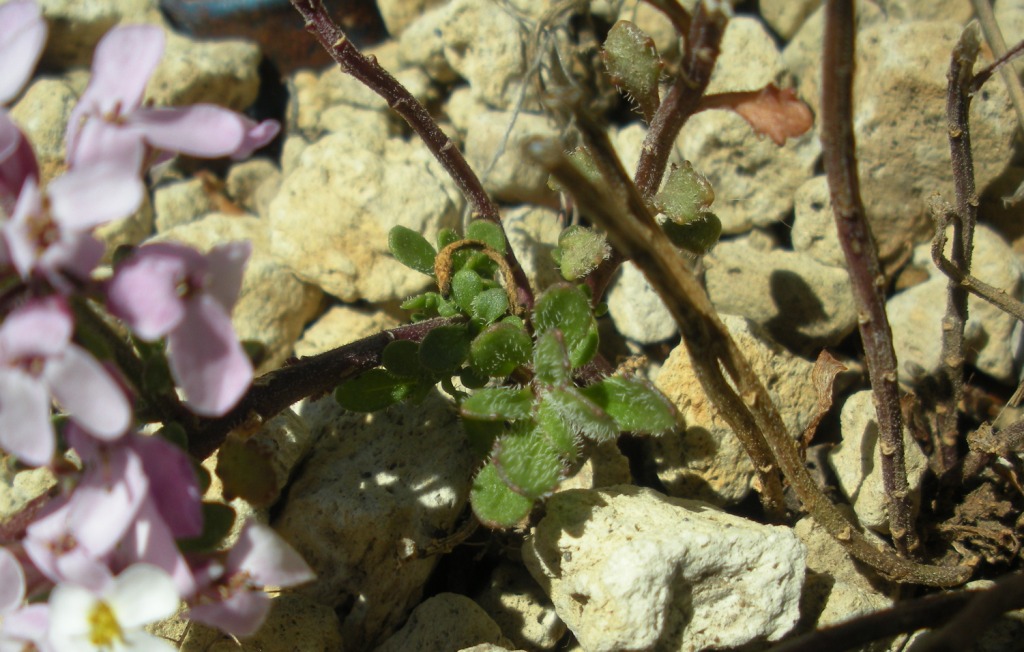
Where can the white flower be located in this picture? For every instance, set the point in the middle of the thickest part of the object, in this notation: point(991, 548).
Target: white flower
point(111, 621)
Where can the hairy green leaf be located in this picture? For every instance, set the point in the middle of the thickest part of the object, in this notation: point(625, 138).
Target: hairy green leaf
point(489, 232)
point(527, 463)
point(582, 413)
point(580, 250)
point(634, 65)
point(466, 285)
point(500, 348)
point(698, 236)
point(445, 348)
point(559, 435)
point(567, 308)
point(550, 360)
point(489, 305)
point(412, 249)
point(374, 390)
point(499, 404)
point(401, 358)
point(686, 196)
point(494, 502)
point(481, 434)
point(445, 237)
point(634, 404)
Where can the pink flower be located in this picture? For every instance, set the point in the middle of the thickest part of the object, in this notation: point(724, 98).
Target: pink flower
point(21, 625)
point(37, 361)
point(110, 116)
point(171, 290)
point(22, 36)
point(235, 601)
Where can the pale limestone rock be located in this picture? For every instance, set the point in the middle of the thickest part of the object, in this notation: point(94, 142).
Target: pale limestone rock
point(754, 179)
point(341, 325)
point(273, 306)
point(42, 113)
point(374, 480)
point(749, 59)
point(131, 230)
point(797, 300)
point(224, 72)
point(399, 14)
point(837, 589)
point(705, 460)
point(858, 463)
point(629, 569)
point(786, 16)
point(447, 621)
point(637, 310)
point(180, 202)
point(990, 340)
point(19, 488)
point(330, 220)
point(294, 623)
point(494, 148)
point(655, 24)
point(532, 232)
point(476, 40)
point(814, 224)
point(76, 26)
point(908, 10)
point(521, 609)
point(253, 184)
point(902, 145)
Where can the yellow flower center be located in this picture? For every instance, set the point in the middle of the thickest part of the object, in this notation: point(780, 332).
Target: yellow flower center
point(103, 627)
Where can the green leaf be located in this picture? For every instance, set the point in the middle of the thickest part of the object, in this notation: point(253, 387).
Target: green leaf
point(465, 286)
point(489, 232)
point(581, 413)
point(472, 379)
point(489, 305)
point(527, 463)
point(634, 404)
point(580, 250)
point(446, 308)
point(686, 196)
point(412, 249)
point(559, 435)
point(371, 391)
point(550, 360)
point(584, 162)
point(634, 65)
point(426, 302)
point(499, 404)
point(401, 358)
point(567, 308)
point(445, 348)
point(217, 521)
point(482, 434)
point(698, 236)
point(445, 237)
point(500, 349)
point(494, 502)
point(247, 471)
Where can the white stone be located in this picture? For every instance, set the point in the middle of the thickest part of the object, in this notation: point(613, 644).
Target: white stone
point(518, 605)
point(399, 14)
point(858, 463)
point(340, 325)
point(252, 185)
point(221, 72)
point(373, 481)
point(180, 202)
point(532, 232)
point(330, 220)
point(42, 113)
point(637, 310)
point(76, 26)
point(447, 621)
point(705, 460)
point(494, 148)
point(786, 16)
point(797, 300)
point(814, 224)
point(990, 342)
point(629, 569)
point(749, 59)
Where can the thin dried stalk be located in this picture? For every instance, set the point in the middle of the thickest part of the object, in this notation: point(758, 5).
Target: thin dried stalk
point(861, 254)
point(994, 37)
point(741, 399)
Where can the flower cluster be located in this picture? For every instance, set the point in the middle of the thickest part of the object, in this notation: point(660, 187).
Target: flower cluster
point(107, 547)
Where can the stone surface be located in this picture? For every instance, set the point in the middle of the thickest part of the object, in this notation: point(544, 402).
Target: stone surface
point(374, 480)
point(836, 589)
point(814, 223)
point(753, 178)
point(797, 300)
point(447, 621)
point(705, 460)
point(494, 148)
point(399, 14)
point(330, 221)
point(273, 306)
point(629, 569)
point(253, 184)
point(42, 113)
point(180, 202)
point(521, 609)
point(786, 16)
point(223, 72)
point(76, 27)
point(533, 231)
point(990, 341)
point(340, 325)
point(903, 155)
point(637, 310)
point(857, 463)
point(749, 59)
point(476, 40)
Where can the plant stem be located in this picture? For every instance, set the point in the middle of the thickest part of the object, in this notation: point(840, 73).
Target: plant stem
point(401, 101)
point(306, 377)
point(861, 254)
point(994, 37)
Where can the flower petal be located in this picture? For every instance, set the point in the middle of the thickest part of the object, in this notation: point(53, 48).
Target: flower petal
point(107, 500)
point(202, 130)
point(93, 399)
point(40, 328)
point(22, 36)
point(173, 484)
point(17, 162)
point(241, 614)
point(267, 558)
point(145, 289)
point(150, 541)
point(227, 267)
point(12, 578)
point(70, 606)
point(92, 195)
point(25, 428)
point(206, 359)
point(142, 594)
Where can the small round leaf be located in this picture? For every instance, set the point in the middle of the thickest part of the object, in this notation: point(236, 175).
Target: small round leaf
point(412, 249)
point(494, 502)
point(374, 390)
point(445, 348)
point(500, 349)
